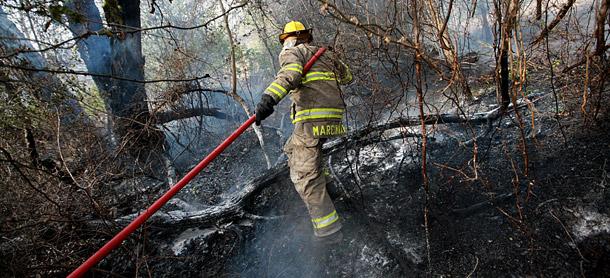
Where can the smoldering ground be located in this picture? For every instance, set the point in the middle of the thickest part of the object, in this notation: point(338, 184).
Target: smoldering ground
point(472, 227)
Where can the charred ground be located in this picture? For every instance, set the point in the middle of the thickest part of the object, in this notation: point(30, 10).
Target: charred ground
point(492, 220)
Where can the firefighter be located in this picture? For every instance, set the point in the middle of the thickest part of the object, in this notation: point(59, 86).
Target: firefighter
point(316, 112)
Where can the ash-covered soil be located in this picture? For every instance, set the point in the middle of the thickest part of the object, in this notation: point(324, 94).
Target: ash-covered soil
point(522, 200)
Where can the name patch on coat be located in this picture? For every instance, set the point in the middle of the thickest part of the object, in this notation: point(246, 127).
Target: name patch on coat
point(324, 130)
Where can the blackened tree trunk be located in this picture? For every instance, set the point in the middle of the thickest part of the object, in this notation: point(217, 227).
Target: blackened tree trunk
point(504, 77)
point(600, 30)
point(600, 51)
point(132, 119)
point(506, 22)
point(112, 56)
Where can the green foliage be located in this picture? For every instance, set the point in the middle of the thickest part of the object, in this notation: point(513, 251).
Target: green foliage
point(92, 101)
point(556, 63)
point(57, 12)
point(516, 77)
point(20, 108)
point(112, 10)
point(106, 32)
point(254, 57)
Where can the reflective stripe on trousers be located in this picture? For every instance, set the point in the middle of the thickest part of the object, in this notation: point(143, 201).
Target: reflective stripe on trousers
point(326, 220)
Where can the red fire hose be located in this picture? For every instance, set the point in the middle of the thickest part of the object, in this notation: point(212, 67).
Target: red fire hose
point(100, 254)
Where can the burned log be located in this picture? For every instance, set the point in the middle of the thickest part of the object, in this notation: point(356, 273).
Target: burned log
point(487, 118)
point(229, 210)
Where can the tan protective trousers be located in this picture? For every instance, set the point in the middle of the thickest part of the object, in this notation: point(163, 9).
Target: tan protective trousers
point(307, 173)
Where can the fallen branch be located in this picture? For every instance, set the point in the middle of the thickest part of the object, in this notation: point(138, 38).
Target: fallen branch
point(478, 118)
point(228, 210)
point(433, 119)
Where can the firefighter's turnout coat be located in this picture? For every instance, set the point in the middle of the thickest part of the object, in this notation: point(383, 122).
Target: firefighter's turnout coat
point(317, 100)
point(317, 112)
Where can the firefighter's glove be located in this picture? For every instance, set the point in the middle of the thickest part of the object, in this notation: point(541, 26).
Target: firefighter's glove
point(264, 108)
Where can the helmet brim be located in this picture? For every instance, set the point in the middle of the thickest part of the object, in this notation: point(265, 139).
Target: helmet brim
point(283, 36)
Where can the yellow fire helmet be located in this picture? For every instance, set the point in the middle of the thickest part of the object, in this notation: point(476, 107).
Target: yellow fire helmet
point(295, 28)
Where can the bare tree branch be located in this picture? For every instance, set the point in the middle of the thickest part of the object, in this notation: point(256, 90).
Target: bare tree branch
point(102, 75)
point(165, 117)
point(545, 32)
